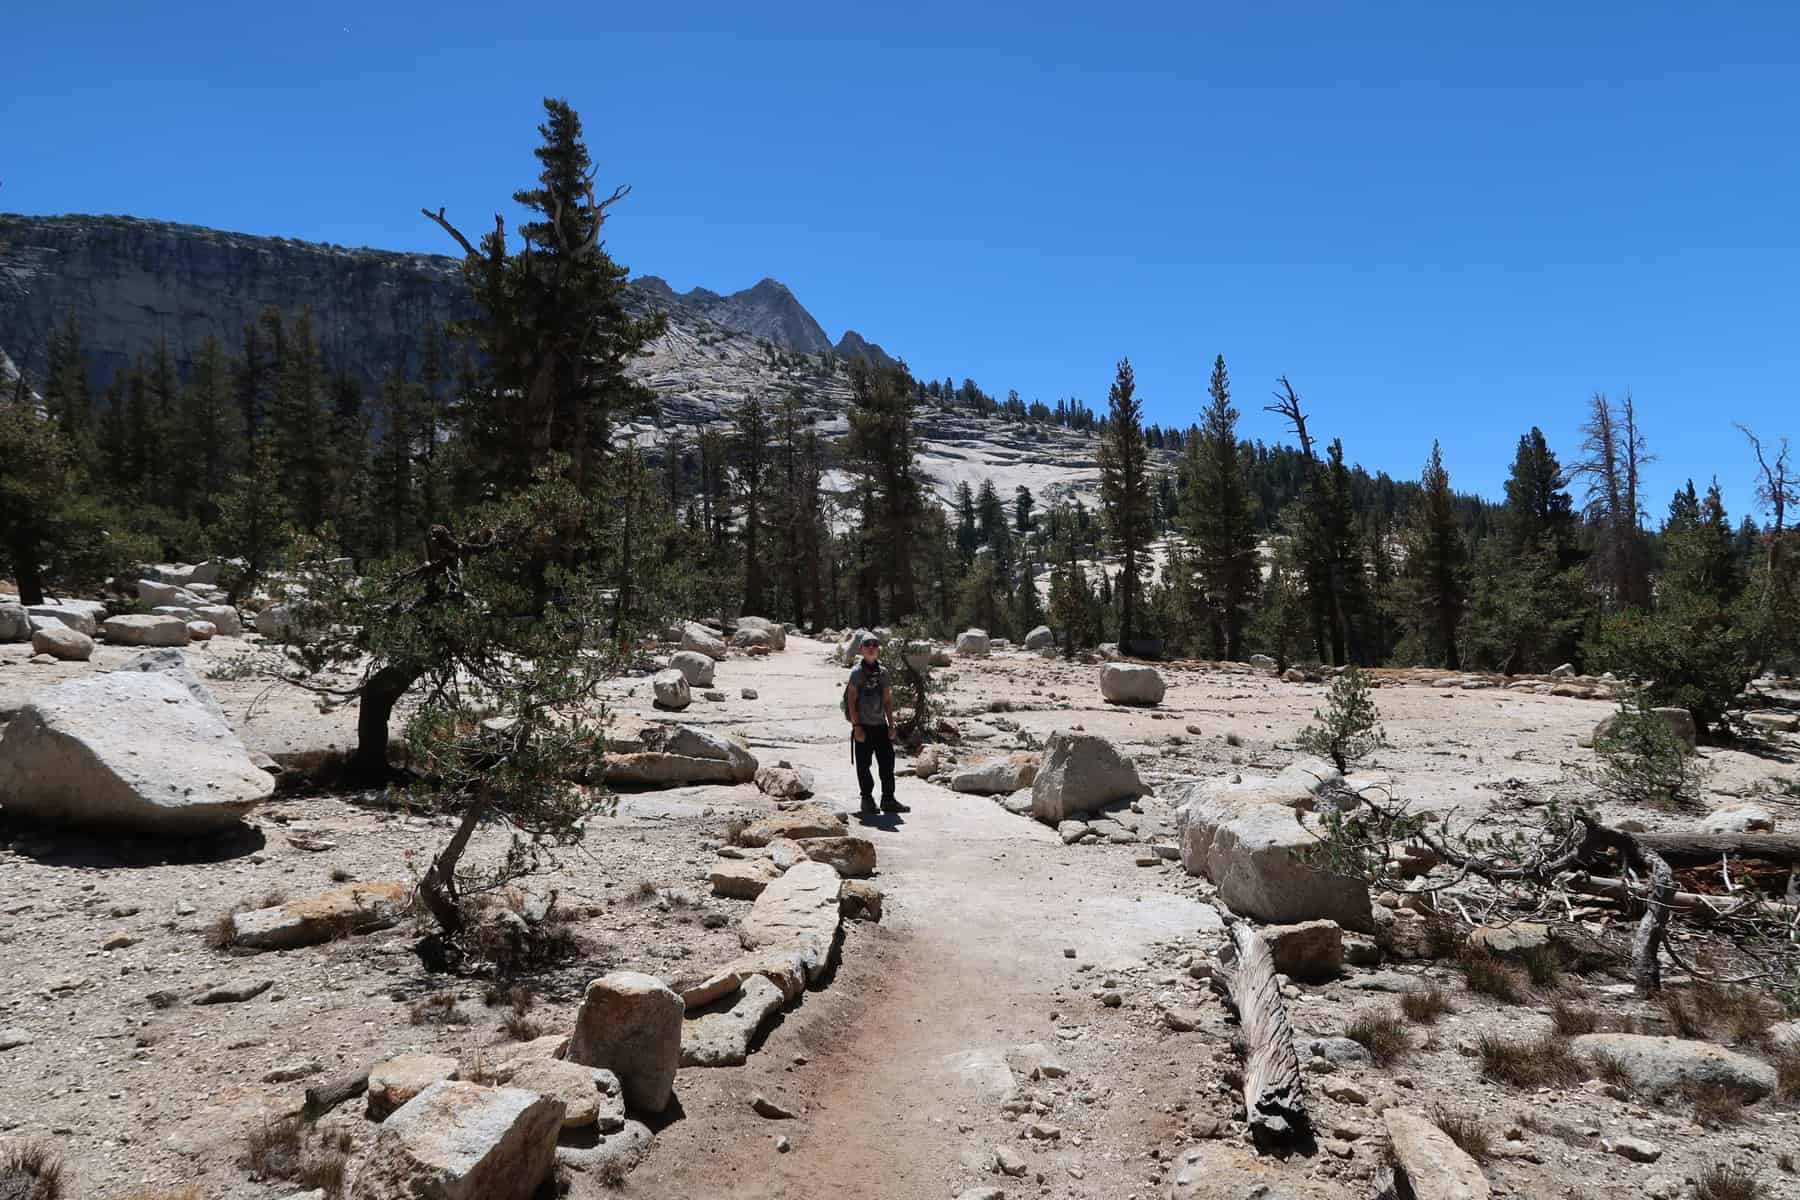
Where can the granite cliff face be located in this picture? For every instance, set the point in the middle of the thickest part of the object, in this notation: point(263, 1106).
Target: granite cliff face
point(133, 283)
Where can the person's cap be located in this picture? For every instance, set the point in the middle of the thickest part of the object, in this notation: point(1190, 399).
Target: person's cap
point(871, 640)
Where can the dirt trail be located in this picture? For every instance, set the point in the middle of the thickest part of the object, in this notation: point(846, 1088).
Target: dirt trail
point(915, 1025)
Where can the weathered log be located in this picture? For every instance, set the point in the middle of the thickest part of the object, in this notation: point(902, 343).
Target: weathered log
point(1692, 904)
point(326, 1096)
point(1703, 849)
point(1274, 1103)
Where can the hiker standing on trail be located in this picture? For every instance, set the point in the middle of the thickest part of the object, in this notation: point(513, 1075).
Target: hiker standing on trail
point(869, 704)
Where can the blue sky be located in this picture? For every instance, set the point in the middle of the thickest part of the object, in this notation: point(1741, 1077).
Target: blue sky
point(1437, 220)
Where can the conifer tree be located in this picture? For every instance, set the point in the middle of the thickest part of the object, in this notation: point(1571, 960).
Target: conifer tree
point(1220, 518)
point(209, 433)
point(1125, 492)
point(1434, 568)
point(1529, 599)
point(883, 445)
point(752, 443)
point(552, 328)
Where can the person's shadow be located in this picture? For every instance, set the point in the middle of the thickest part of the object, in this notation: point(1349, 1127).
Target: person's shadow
point(883, 821)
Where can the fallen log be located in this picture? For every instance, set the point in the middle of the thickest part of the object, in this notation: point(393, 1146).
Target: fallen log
point(1692, 904)
point(1274, 1104)
point(1704, 849)
point(323, 1097)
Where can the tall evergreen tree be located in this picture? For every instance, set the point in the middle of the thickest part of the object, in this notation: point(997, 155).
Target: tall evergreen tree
point(1220, 519)
point(1529, 599)
point(752, 444)
point(552, 329)
point(1125, 493)
point(883, 447)
point(1434, 570)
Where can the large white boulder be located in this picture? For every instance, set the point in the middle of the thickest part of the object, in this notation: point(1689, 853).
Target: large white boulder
point(973, 643)
point(1130, 683)
point(275, 621)
point(670, 689)
point(159, 594)
point(798, 912)
point(1081, 773)
point(630, 1024)
point(83, 616)
point(696, 668)
point(997, 776)
point(15, 623)
point(461, 1141)
point(224, 618)
point(1040, 638)
point(145, 630)
point(59, 641)
point(127, 750)
point(775, 631)
point(1250, 844)
point(701, 640)
point(1665, 1064)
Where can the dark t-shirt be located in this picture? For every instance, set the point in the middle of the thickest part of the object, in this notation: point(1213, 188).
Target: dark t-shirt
point(869, 686)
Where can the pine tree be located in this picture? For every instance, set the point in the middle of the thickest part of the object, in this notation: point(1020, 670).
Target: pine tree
point(255, 522)
point(1529, 599)
point(552, 326)
point(1615, 454)
point(209, 432)
point(883, 446)
point(66, 393)
point(1434, 570)
point(1221, 520)
point(1125, 492)
point(296, 424)
point(1700, 560)
point(752, 442)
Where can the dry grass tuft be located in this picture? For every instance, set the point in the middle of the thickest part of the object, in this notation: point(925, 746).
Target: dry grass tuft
point(1466, 1132)
point(438, 1009)
point(1544, 966)
point(1714, 1106)
point(1383, 1035)
point(1488, 976)
point(31, 1171)
point(1571, 1021)
point(1705, 1010)
point(1424, 1007)
point(1726, 1181)
point(1543, 1062)
point(1608, 1069)
point(282, 1150)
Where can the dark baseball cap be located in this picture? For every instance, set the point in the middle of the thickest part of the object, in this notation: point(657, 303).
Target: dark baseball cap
point(870, 639)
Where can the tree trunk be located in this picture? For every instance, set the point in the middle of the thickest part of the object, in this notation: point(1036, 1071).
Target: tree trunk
point(23, 553)
point(1274, 1103)
point(438, 888)
point(323, 1097)
point(1706, 849)
point(379, 696)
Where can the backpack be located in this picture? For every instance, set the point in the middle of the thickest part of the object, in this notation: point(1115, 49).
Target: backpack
point(872, 675)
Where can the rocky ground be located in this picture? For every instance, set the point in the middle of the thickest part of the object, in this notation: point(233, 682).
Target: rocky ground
point(1029, 1017)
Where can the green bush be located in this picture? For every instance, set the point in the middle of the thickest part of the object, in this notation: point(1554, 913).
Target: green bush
point(1640, 761)
point(1688, 656)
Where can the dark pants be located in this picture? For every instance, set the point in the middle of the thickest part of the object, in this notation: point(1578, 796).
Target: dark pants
point(876, 744)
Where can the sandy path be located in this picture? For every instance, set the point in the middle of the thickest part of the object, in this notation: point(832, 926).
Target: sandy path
point(914, 1027)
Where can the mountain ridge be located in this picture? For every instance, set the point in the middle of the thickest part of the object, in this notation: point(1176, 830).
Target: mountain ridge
point(133, 282)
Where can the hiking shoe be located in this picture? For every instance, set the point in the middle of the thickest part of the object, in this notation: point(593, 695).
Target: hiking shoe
point(868, 807)
point(894, 806)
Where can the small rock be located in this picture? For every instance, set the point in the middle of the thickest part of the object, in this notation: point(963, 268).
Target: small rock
point(1346, 1093)
point(289, 1072)
point(12, 1039)
point(1009, 1162)
point(782, 1145)
point(234, 993)
point(1636, 1149)
point(747, 694)
point(1182, 1020)
point(769, 1109)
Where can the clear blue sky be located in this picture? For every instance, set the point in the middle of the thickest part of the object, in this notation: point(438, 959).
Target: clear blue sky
point(1437, 221)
